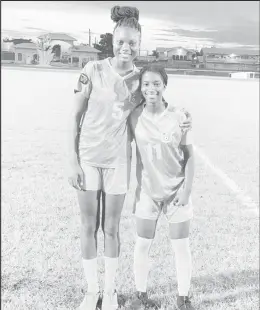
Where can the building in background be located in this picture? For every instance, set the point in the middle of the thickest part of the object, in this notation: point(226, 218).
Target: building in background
point(82, 54)
point(209, 58)
point(231, 55)
point(26, 53)
point(7, 52)
point(64, 51)
point(231, 59)
point(57, 36)
point(180, 53)
point(175, 53)
point(162, 52)
point(23, 53)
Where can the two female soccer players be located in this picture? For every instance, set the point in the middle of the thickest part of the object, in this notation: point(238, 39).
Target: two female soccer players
point(105, 95)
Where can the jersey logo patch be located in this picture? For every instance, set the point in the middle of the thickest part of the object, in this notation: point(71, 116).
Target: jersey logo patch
point(165, 137)
point(83, 79)
point(170, 137)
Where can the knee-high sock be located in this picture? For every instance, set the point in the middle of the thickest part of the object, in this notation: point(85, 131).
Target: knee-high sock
point(90, 271)
point(141, 263)
point(183, 263)
point(111, 266)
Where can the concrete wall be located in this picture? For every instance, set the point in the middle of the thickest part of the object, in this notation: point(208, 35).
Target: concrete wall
point(84, 57)
point(7, 57)
point(230, 66)
point(27, 55)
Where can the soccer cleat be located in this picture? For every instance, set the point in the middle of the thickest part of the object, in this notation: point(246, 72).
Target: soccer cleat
point(89, 302)
point(109, 301)
point(184, 303)
point(141, 300)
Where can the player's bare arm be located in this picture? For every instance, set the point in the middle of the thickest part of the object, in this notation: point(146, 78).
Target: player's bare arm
point(189, 167)
point(183, 198)
point(78, 110)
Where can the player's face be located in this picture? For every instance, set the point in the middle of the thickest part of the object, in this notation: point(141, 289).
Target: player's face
point(126, 43)
point(152, 88)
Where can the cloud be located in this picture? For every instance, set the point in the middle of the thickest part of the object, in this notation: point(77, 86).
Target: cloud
point(221, 22)
point(247, 33)
point(37, 29)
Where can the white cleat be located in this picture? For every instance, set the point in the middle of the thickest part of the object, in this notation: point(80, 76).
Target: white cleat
point(109, 301)
point(89, 302)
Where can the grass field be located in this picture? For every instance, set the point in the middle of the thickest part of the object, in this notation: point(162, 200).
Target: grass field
point(41, 261)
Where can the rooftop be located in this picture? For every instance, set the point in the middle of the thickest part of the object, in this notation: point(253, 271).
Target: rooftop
point(26, 45)
point(84, 48)
point(166, 49)
point(58, 36)
point(228, 51)
point(162, 49)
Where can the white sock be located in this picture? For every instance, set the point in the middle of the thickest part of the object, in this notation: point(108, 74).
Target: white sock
point(183, 263)
point(90, 270)
point(111, 265)
point(141, 263)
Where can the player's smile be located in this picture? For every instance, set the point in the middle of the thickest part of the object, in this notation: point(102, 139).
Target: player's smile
point(126, 42)
point(152, 96)
point(152, 87)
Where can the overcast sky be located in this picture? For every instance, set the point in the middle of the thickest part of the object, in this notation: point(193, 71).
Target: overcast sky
point(164, 23)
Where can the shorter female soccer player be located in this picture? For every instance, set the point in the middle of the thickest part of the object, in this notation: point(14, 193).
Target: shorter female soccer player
point(165, 170)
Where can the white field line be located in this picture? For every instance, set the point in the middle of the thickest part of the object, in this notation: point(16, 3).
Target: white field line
point(250, 205)
point(215, 296)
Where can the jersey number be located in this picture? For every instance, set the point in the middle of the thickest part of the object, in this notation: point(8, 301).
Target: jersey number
point(117, 110)
point(154, 151)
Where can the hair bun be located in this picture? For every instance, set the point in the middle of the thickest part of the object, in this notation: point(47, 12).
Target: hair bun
point(120, 12)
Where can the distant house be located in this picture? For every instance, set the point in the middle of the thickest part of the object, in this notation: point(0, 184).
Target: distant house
point(82, 54)
point(75, 55)
point(162, 52)
point(231, 55)
point(58, 36)
point(180, 53)
point(175, 53)
point(26, 53)
point(7, 52)
point(233, 59)
point(23, 53)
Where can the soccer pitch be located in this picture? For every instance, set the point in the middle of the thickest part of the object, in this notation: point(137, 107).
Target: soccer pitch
point(41, 261)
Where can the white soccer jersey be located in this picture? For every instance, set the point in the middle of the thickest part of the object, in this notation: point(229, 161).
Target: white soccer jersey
point(160, 160)
point(104, 132)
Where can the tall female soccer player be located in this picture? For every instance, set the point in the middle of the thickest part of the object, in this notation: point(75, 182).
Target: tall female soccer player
point(105, 95)
point(165, 169)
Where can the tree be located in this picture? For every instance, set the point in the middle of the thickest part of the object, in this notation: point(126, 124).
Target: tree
point(105, 45)
point(155, 53)
point(56, 50)
point(45, 51)
point(17, 41)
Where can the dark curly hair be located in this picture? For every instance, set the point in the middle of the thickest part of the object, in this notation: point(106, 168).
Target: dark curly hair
point(156, 69)
point(126, 16)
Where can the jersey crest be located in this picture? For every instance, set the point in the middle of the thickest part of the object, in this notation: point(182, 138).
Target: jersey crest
point(166, 137)
point(83, 79)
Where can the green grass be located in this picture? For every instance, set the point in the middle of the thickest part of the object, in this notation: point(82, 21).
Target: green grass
point(41, 260)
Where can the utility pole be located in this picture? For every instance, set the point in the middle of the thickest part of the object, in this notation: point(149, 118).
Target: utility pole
point(89, 37)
